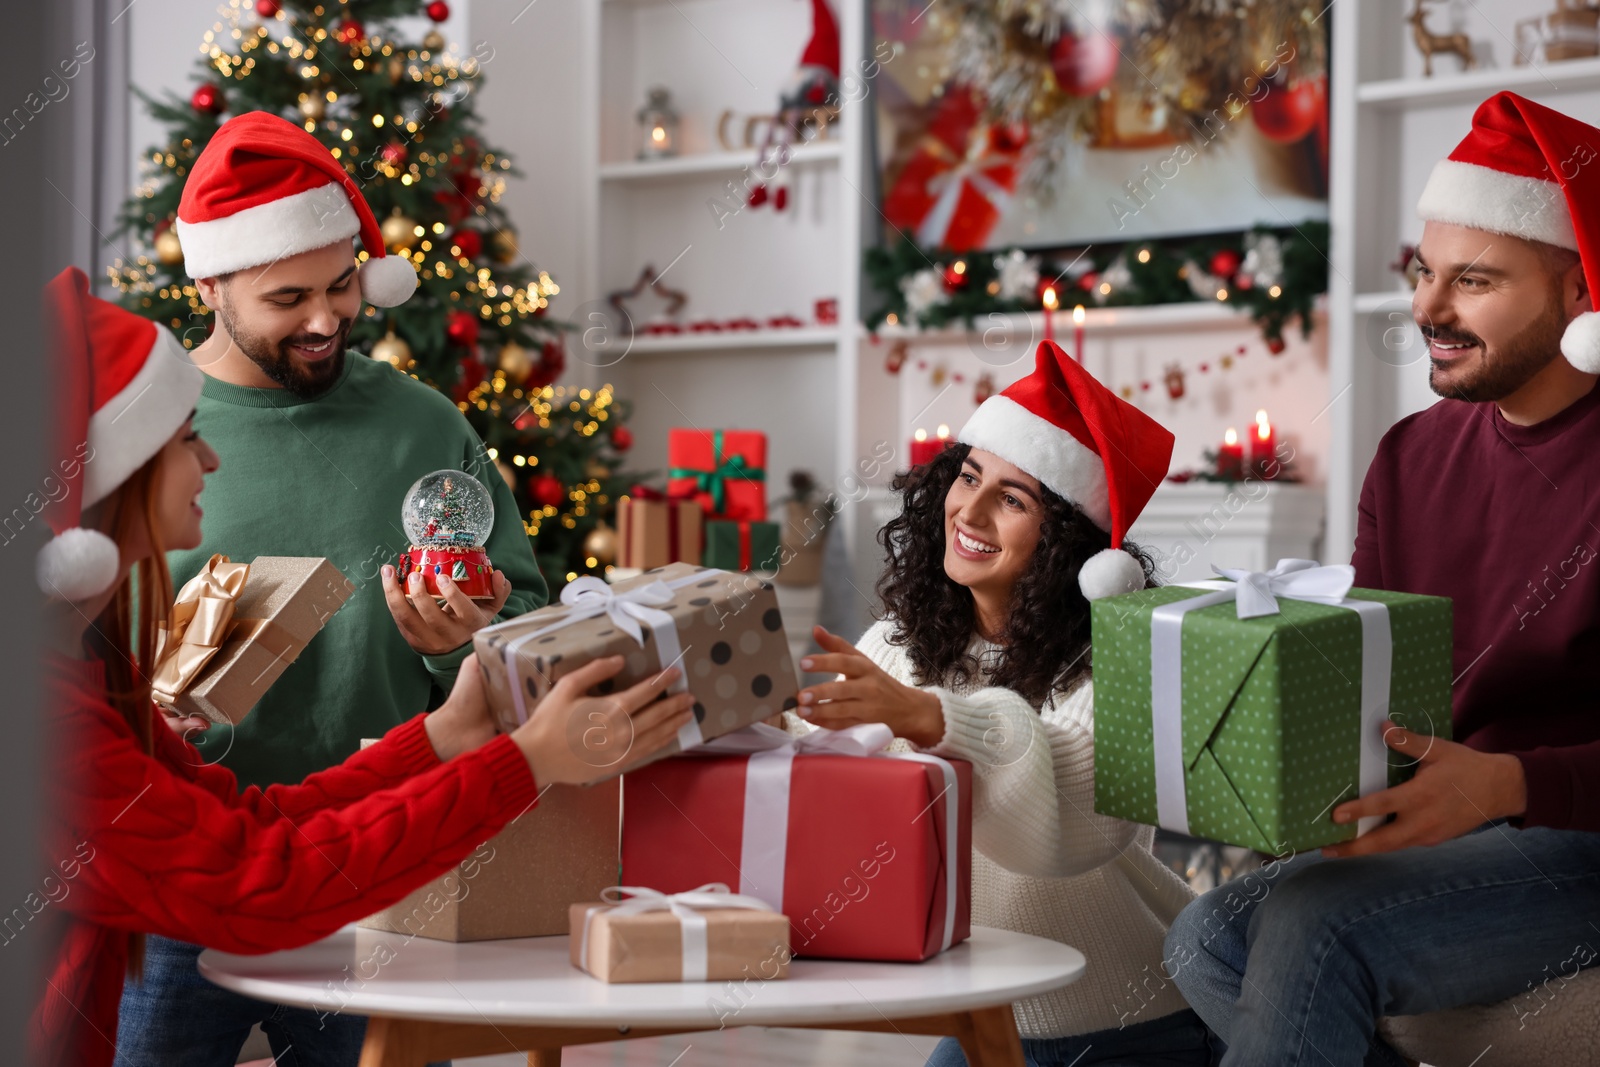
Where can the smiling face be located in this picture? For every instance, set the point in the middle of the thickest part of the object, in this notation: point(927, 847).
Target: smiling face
point(992, 515)
point(292, 317)
point(1492, 309)
point(180, 474)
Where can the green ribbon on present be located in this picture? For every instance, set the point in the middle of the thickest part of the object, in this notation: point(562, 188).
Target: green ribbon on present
point(714, 481)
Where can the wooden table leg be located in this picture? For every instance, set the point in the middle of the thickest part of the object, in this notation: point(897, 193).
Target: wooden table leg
point(989, 1037)
point(391, 1043)
point(545, 1057)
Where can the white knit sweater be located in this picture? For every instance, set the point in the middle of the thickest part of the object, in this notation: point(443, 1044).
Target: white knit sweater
point(1043, 862)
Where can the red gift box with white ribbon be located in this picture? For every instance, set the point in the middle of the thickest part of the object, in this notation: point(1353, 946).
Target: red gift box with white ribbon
point(869, 853)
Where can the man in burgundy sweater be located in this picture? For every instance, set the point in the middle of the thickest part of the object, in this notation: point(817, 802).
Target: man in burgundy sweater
point(1485, 881)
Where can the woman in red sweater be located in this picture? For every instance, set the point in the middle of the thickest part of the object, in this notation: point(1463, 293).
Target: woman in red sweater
point(143, 836)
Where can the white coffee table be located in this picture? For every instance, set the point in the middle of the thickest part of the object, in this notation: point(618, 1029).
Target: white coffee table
point(435, 1000)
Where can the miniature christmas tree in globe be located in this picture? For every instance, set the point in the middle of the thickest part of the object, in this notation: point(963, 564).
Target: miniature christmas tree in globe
point(448, 515)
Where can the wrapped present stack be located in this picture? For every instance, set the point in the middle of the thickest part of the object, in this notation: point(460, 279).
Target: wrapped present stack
point(724, 472)
point(237, 626)
point(723, 629)
point(1243, 711)
point(869, 854)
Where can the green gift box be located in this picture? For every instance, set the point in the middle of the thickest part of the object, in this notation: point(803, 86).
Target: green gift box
point(1249, 731)
point(741, 546)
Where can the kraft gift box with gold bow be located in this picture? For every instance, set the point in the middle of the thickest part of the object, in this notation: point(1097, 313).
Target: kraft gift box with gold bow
point(237, 626)
point(706, 934)
point(1245, 711)
point(723, 629)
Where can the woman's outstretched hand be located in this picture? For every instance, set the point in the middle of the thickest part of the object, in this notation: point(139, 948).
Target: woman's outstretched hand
point(574, 738)
point(866, 693)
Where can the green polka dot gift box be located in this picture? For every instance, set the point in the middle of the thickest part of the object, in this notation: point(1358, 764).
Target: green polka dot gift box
point(1249, 731)
point(722, 628)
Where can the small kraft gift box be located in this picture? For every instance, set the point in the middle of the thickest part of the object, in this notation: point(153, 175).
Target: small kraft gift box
point(653, 531)
point(707, 934)
point(868, 853)
point(1244, 711)
point(522, 881)
point(721, 628)
point(237, 626)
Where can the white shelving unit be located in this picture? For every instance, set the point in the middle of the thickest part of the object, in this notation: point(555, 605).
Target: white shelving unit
point(686, 217)
point(1389, 126)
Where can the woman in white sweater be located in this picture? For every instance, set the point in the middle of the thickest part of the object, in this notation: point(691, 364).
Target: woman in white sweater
point(983, 655)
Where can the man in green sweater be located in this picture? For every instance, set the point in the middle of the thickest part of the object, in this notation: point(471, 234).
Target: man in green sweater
point(318, 448)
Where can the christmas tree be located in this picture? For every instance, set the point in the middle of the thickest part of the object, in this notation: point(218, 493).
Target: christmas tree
point(400, 117)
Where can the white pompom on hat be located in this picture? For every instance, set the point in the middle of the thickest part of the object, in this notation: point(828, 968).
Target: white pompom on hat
point(122, 387)
point(264, 189)
point(1528, 171)
point(1088, 446)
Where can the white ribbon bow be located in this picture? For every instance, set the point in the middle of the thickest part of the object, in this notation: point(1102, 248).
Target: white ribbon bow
point(1298, 579)
point(686, 906)
point(588, 596)
point(764, 848)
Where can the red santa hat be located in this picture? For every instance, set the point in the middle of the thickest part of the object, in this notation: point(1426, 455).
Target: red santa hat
point(1528, 171)
point(1088, 446)
point(123, 387)
point(264, 189)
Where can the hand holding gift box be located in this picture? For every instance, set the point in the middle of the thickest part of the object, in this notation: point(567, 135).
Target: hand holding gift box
point(1244, 711)
point(703, 934)
point(723, 630)
point(237, 626)
point(868, 853)
point(724, 470)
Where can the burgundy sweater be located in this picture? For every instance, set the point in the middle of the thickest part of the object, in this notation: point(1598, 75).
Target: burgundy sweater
point(1504, 520)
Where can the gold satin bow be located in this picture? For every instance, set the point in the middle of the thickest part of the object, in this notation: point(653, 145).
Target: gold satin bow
point(197, 626)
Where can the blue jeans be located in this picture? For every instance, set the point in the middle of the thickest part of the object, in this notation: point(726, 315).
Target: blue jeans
point(1176, 1040)
point(175, 1018)
point(1295, 963)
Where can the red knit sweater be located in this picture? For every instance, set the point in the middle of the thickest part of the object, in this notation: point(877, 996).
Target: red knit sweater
point(1504, 520)
point(168, 845)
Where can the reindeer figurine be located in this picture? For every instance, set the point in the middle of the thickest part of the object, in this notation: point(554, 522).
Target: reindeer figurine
point(1429, 43)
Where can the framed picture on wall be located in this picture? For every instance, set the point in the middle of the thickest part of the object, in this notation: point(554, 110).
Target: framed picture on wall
point(1003, 124)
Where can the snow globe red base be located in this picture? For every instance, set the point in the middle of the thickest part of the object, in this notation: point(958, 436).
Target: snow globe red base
point(448, 515)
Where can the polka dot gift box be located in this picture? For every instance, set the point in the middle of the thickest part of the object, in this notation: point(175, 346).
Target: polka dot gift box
point(1250, 730)
point(722, 628)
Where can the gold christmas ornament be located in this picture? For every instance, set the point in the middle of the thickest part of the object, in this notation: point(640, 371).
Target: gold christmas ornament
point(399, 232)
point(508, 473)
point(312, 106)
point(503, 246)
point(396, 69)
point(434, 41)
point(168, 250)
point(515, 361)
point(393, 351)
point(601, 544)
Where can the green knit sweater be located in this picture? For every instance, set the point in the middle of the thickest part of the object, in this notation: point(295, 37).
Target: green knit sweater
point(326, 477)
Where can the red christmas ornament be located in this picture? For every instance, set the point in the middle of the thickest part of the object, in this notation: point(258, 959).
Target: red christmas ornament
point(472, 374)
point(955, 274)
point(984, 389)
point(547, 491)
point(1276, 345)
point(394, 153)
point(268, 9)
point(1225, 263)
point(1174, 381)
point(207, 99)
point(780, 198)
point(526, 421)
point(622, 439)
point(1084, 65)
point(552, 361)
point(758, 196)
point(350, 33)
point(438, 11)
point(1088, 281)
point(1288, 112)
point(896, 357)
point(462, 328)
point(469, 241)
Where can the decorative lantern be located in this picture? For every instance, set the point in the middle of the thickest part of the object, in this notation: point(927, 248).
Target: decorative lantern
point(658, 126)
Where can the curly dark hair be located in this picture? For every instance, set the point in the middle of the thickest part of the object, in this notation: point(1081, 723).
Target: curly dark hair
point(1047, 626)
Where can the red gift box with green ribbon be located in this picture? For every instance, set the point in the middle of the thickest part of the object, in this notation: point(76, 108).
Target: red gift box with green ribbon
point(724, 470)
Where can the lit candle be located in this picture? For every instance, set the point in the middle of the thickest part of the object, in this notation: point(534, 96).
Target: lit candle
point(1050, 301)
point(1077, 333)
point(1230, 457)
point(1263, 444)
